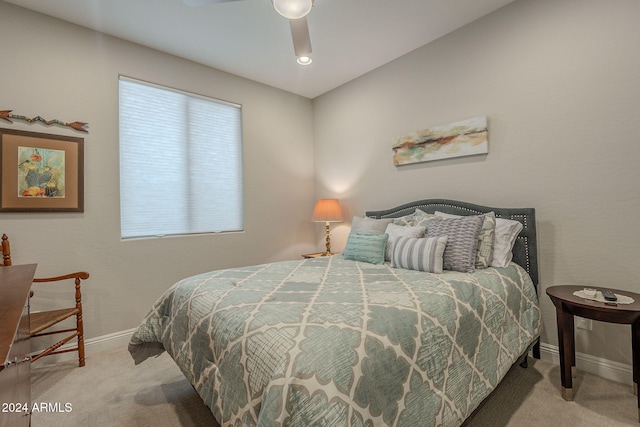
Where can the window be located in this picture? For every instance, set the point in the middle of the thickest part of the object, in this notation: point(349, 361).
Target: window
point(180, 162)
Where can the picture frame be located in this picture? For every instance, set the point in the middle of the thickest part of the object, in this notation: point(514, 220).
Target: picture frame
point(459, 139)
point(41, 172)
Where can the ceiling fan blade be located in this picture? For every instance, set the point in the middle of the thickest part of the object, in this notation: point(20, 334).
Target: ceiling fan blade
point(195, 3)
point(301, 39)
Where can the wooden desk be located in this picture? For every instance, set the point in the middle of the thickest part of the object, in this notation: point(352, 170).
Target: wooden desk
point(15, 371)
point(568, 305)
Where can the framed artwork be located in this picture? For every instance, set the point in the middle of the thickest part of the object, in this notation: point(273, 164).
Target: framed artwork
point(41, 172)
point(463, 138)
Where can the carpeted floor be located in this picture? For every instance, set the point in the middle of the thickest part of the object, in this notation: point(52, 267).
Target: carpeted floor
point(111, 391)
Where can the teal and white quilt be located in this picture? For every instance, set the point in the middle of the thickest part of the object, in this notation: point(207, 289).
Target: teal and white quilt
point(332, 342)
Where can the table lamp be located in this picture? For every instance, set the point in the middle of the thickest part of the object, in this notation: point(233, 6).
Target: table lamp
point(327, 210)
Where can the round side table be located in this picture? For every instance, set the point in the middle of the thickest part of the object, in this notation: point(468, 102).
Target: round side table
point(568, 305)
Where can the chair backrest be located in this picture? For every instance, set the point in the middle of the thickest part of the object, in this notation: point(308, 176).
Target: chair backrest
point(6, 252)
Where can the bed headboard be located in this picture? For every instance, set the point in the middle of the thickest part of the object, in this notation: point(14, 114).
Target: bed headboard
point(525, 250)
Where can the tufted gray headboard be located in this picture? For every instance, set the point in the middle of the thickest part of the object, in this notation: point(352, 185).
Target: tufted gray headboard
point(525, 250)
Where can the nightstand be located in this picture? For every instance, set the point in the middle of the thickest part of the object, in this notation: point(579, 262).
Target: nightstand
point(318, 255)
point(569, 305)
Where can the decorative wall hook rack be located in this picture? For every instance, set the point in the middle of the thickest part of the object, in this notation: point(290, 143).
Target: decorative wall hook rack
point(6, 115)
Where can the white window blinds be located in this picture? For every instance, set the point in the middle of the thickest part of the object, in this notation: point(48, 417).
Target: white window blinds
point(180, 162)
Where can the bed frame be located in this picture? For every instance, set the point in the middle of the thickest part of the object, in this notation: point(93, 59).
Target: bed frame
point(525, 249)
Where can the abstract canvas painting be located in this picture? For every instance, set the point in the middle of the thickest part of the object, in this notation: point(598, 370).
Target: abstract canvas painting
point(464, 138)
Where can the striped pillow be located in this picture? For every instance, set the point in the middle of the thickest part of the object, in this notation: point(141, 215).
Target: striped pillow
point(394, 231)
point(423, 254)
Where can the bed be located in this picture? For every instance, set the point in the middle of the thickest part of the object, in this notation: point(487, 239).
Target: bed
point(344, 341)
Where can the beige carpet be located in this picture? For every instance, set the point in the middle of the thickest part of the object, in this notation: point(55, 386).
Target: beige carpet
point(112, 391)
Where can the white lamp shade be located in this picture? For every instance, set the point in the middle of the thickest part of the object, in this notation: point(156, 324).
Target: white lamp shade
point(293, 9)
point(327, 210)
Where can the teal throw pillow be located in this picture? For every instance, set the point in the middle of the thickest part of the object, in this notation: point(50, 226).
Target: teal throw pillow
point(366, 247)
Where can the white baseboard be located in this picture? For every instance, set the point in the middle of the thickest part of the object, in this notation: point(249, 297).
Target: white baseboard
point(604, 368)
point(109, 341)
point(91, 346)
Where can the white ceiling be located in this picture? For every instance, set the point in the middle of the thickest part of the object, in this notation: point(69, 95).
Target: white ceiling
point(248, 38)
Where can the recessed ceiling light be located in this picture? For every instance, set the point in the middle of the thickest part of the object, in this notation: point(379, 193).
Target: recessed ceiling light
point(304, 60)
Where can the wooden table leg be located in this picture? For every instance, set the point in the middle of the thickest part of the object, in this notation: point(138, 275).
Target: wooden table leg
point(566, 342)
point(635, 346)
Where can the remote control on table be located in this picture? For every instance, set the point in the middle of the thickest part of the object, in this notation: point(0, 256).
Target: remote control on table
point(608, 295)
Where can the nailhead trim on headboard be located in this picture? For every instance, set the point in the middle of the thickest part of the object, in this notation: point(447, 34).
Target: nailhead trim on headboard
point(525, 251)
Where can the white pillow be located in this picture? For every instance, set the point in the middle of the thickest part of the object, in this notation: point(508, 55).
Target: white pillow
point(423, 254)
point(394, 231)
point(507, 231)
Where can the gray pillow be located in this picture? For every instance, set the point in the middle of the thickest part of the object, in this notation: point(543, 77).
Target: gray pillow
point(462, 242)
point(366, 247)
point(486, 239)
point(369, 225)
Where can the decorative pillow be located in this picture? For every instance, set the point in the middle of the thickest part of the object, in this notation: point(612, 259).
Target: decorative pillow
point(486, 239)
point(423, 254)
point(462, 243)
point(394, 231)
point(422, 218)
point(366, 247)
point(406, 220)
point(507, 231)
point(365, 225)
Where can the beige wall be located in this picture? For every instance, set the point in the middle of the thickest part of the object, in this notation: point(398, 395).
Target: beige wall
point(559, 82)
point(57, 70)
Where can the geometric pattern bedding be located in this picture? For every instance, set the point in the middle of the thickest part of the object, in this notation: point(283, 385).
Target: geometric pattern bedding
point(334, 342)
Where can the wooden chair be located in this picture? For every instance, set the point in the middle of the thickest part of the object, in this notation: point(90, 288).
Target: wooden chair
point(41, 321)
point(6, 252)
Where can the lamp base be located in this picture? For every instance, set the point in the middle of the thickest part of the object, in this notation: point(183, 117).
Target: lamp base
point(328, 239)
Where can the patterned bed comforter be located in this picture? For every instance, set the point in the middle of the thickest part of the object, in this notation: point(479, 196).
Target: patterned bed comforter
point(332, 342)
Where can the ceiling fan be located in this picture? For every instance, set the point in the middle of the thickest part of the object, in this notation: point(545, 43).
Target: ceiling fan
point(296, 12)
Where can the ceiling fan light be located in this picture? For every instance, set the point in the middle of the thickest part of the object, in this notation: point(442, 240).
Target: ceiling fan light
point(304, 60)
point(293, 9)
